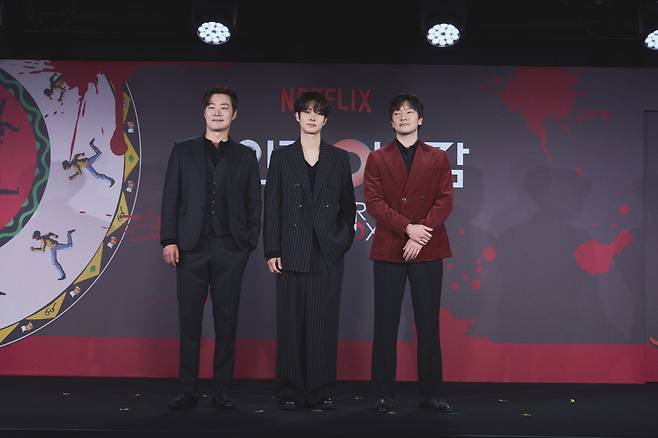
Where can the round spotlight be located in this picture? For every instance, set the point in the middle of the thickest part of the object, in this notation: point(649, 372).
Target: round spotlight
point(212, 32)
point(443, 35)
point(651, 41)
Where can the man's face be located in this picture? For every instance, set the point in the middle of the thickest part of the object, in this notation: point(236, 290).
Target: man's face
point(310, 122)
point(405, 120)
point(219, 113)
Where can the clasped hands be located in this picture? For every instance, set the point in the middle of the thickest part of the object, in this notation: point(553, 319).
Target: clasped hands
point(419, 236)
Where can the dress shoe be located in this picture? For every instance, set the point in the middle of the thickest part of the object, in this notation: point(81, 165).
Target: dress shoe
point(384, 405)
point(222, 401)
point(327, 404)
point(288, 405)
point(184, 400)
point(436, 404)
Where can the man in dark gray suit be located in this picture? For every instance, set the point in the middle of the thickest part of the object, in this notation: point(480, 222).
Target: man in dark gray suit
point(211, 209)
point(309, 225)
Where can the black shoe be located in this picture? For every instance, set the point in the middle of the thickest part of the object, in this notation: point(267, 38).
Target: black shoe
point(327, 404)
point(71, 231)
point(222, 401)
point(184, 400)
point(384, 405)
point(112, 182)
point(288, 405)
point(62, 277)
point(436, 404)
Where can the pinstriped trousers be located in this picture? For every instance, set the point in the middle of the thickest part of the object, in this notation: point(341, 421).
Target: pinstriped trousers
point(308, 307)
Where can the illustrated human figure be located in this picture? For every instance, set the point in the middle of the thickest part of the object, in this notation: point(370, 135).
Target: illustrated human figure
point(57, 83)
point(80, 162)
point(49, 242)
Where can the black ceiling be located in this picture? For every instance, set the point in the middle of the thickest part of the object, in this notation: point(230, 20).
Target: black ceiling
point(503, 32)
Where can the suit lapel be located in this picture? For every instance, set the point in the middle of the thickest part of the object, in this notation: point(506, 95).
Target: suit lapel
point(417, 165)
point(325, 163)
point(298, 164)
point(395, 164)
point(233, 160)
point(198, 156)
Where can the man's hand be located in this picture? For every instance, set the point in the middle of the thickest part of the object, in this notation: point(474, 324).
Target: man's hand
point(411, 250)
point(419, 233)
point(171, 255)
point(274, 265)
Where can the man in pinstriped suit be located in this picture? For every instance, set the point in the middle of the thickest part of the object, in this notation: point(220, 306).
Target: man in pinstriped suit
point(309, 225)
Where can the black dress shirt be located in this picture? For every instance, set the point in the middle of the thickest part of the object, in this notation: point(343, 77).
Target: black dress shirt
point(407, 153)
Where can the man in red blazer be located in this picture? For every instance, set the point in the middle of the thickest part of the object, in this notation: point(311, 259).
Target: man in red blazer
point(408, 190)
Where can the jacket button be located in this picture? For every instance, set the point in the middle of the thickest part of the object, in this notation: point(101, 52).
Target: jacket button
point(294, 225)
point(299, 206)
point(404, 199)
point(422, 197)
point(327, 205)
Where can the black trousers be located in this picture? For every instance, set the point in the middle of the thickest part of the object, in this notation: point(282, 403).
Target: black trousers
point(216, 264)
point(308, 306)
point(390, 280)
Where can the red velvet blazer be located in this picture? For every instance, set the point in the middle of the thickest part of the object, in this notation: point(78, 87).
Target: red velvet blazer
point(396, 199)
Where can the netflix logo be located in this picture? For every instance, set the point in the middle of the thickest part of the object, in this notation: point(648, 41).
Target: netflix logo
point(342, 99)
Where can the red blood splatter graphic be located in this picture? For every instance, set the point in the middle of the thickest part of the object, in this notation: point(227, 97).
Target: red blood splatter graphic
point(81, 75)
point(624, 209)
point(596, 257)
point(613, 226)
point(360, 231)
point(460, 231)
point(465, 276)
point(450, 267)
point(580, 171)
point(454, 285)
point(539, 93)
point(478, 269)
point(144, 227)
point(489, 253)
point(475, 284)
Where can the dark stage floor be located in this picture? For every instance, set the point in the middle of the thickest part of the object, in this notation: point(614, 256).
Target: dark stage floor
point(72, 407)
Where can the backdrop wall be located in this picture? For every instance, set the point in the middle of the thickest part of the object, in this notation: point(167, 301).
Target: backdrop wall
point(553, 233)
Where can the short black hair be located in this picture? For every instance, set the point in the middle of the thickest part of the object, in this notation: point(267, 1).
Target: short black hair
point(412, 100)
point(312, 99)
point(36, 235)
point(66, 164)
point(220, 90)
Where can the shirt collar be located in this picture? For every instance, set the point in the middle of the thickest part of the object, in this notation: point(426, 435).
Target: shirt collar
point(404, 148)
point(209, 142)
